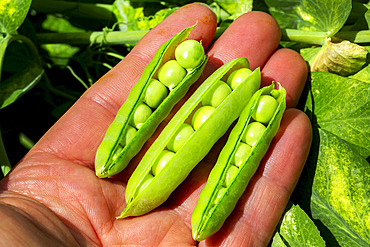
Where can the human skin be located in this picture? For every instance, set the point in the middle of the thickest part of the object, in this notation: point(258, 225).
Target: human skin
point(53, 197)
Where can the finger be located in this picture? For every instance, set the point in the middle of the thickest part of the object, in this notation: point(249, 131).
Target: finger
point(288, 68)
point(258, 211)
point(254, 35)
point(78, 133)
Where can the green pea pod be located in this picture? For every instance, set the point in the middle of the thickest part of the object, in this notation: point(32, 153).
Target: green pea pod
point(111, 157)
point(146, 191)
point(227, 181)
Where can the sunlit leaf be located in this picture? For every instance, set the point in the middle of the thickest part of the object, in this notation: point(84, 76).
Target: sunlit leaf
point(133, 19)
point(277, 241)
point(60, 25)
point(312, 15)
point(342, 58)
point(236, 7)
point(340, 110)
point(297, 229)
point(12, 14)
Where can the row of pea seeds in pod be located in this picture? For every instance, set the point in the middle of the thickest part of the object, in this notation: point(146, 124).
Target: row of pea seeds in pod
point(188, 54)
point(261, 116)
point(208, 105)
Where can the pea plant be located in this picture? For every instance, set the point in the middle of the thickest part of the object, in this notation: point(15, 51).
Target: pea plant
point(51, 52)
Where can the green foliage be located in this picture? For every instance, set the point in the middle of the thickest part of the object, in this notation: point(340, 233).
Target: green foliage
point(340, 191)
point(131, 18)
point(12, 14)
point(235, 8)
point(60, 54)
point(26, 70)
point(297, 229)
point(311, 15)
point(342, 58)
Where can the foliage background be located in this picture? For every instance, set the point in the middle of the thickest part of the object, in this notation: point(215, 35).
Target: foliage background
point(52, 51)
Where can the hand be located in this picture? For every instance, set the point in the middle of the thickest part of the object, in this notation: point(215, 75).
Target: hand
point(52, 197)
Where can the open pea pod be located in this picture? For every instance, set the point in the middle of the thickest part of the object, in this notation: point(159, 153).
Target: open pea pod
point(248, 142)
point(148, 104)
point(206, 115)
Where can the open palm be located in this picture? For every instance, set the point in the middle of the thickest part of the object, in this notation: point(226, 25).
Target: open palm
point(52, 197)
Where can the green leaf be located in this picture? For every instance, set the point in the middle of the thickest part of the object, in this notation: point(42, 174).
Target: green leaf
point(60, 25)
point(363, 75)
point(236, 7)
point(277, 241)
point(297, 229)
point(133, 19)
point(18, 84)
point(340, 193)
point(12, 14)
point(341, 106)
point(311, 15)
point(342, 58)
point(22, 68)
point(4, 160)
point(341, 185)
point(60, 54)
point(359, 19)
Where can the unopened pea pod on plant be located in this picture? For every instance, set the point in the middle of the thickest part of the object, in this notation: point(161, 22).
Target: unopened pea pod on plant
point(149, 187)
point(239, 159)
point(176, 65)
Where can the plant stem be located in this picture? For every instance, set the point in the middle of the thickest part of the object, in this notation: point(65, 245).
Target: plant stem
point(99, 37)
point(77, 77)
point(5, 163)
point(308, 37)
point(52, 89)
point(76, 9)
point(318, 38)
point(25, 141)
point(115, 55)
point(111, 38)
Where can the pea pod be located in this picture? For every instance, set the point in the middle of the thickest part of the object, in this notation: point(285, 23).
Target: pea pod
point(148, 104)
point(238, 161)
point(149, 187)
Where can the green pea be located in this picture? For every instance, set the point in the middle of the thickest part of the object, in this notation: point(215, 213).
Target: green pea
point(253, 133)
point(119, 148)
point(201, 115)
point(148, 178)
point(180, 137)
point(189, 54)
point(220, 193)
point(161, 162)
point(231, 174)
point(109, 159)
point(155, 93)
point(218, 93)
point(237, 77)
point(226, 183)
point(171, 74)
point(142, 113)
point(242, 152)
point(195, 148)
point(266, 107)
point(275, 93)
point(129, 135)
